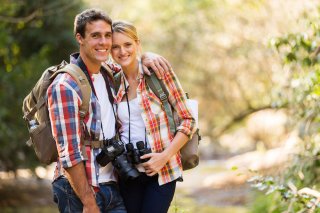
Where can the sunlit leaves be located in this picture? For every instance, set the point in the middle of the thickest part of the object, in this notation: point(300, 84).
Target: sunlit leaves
point(27, 47)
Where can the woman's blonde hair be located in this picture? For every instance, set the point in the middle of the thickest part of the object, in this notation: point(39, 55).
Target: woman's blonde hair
point(126, 28)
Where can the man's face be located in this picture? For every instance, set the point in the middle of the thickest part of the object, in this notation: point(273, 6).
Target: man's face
point(95, 45)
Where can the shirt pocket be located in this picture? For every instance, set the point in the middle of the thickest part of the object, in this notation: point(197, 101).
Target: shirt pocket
point(155, 103)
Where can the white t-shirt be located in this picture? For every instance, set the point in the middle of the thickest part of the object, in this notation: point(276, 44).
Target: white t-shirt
point(108, 123)
point(137, 126)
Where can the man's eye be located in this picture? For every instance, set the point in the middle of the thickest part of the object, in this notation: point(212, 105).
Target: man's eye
point(114, 47)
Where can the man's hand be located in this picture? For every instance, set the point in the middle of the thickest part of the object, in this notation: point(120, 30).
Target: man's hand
point(91, 208)
point(156, 62)
point(78, 180)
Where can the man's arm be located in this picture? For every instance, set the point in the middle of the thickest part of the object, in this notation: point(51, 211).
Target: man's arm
point(78, 180)
point(156, 62)
point(63, 107)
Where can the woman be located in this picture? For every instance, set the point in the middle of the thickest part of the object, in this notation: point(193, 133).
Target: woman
point(143, 119)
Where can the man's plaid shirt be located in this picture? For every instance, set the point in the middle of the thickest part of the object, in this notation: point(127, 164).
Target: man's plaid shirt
point(64, 100)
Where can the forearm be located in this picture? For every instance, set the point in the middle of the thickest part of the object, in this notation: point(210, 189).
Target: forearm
point(177, 143)
point(78, 180)
point(158, 160)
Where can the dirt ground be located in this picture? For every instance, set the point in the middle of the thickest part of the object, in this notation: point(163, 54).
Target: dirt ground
point(193, 195)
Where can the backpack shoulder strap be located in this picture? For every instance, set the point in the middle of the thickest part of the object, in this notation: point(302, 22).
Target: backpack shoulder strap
point(162, 93)
point(80, 77)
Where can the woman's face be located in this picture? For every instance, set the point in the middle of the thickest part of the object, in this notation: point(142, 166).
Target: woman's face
point(124, 49)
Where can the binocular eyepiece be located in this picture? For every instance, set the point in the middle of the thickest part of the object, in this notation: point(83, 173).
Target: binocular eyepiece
point(135, 154)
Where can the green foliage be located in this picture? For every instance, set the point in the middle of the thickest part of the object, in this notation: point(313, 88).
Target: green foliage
point(35, 35)
point(300, 56)
point(284, 196)
point(266, 203)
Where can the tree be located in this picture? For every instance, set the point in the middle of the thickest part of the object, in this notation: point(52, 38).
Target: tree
point(298, 185)
point(35, 34)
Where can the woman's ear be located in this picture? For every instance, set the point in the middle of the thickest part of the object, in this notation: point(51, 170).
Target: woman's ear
point(139, 48)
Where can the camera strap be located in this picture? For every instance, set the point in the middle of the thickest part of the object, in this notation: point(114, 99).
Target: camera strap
point(128, 104)
point(110, 97)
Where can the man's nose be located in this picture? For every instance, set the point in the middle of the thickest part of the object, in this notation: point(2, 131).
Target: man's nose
point(103, 40)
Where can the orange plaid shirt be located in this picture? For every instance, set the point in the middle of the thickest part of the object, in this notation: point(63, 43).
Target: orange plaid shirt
point(156, 121)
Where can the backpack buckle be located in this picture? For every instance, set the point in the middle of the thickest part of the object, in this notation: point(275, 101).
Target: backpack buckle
point(163, 96)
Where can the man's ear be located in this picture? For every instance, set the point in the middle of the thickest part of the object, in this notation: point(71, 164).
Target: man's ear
point(79, 38)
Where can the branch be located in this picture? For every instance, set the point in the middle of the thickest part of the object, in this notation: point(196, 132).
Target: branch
point(15, 20)
point(58, 9)
point(240, 117)
point(309, 191)
point(49, 10)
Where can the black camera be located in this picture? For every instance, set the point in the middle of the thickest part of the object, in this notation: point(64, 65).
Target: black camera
point(142, 149)
point(113, 151)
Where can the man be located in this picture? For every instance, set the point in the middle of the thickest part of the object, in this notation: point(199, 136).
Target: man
point(80, 183)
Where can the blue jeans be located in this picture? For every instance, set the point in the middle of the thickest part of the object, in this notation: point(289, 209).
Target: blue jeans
point(144, 195)
point(108, 198)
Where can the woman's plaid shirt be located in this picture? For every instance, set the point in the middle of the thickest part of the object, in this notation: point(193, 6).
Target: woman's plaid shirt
point(156, 121)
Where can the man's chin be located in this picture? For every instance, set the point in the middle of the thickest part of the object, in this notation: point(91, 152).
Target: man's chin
point(102, 58)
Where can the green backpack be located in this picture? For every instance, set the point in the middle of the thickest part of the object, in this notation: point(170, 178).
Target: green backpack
point(35, 110)
point(189, 152)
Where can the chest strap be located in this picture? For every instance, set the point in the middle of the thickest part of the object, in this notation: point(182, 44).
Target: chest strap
point(94, 144)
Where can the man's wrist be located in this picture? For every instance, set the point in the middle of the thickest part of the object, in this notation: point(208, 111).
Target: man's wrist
point(88, 199)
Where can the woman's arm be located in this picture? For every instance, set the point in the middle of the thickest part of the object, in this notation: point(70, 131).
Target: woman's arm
point(158, 160)
point(185, 130)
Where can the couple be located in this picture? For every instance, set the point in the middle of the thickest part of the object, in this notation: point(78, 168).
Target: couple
point(81, 184)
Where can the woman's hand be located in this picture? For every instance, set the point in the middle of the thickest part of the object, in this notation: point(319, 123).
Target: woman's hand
point(155, 163)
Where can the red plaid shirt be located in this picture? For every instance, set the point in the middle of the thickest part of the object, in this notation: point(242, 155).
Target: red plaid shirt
point(156, 121)
point(64, 100)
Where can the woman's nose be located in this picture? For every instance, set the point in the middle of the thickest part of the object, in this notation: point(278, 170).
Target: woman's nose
point(122, 50)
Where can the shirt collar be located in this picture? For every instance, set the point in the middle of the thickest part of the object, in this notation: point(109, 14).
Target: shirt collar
point(139, 77)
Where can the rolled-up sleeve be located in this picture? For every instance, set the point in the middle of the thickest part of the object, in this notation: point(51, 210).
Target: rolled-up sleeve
point(63, 106)
point(178, 101)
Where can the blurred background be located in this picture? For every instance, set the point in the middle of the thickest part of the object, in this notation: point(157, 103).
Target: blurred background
point(253, 66)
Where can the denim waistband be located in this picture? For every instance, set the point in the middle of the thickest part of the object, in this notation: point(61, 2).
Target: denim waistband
point(108, 183)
